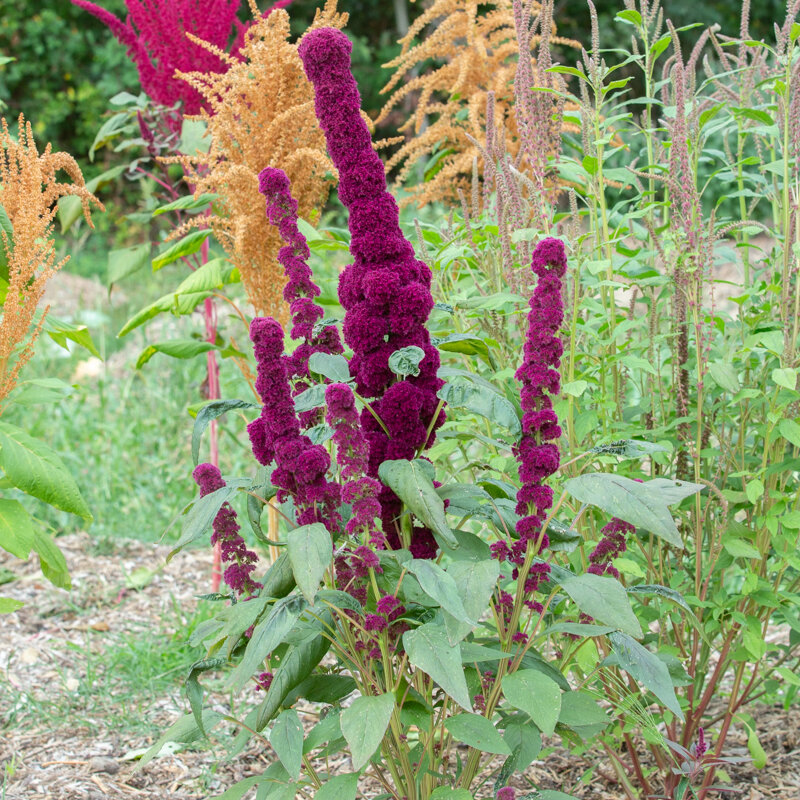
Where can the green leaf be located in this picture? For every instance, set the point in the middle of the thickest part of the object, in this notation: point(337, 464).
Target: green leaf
point(339, 787)
point(8, 229)
point(641, 504)
point(267, 635)
point(311, 398)
point(410, 481)
point(185, 730)
point(60, 331)
point(472, 653)
point(51, 559)
point(739, 548)
point(790, 431)
point(575, 388)
point(310, 553)
point(210, 411)
point(197, 520)
point(754, 489)
point(440, 587)
point(286, 738)
point(194, 691)
point(16, 528)
point(8, 605)
point(724, 375)
point(660, 591)
point(126, 261)
point(580, 712)
point(478, 732)
point(406, 361)
point(604, 599)
point(475, 581)
point(364, 723)
point(33, 467)
point(478, 399)
point(41, 390)
point(466, 343)
point(535, 694)
point(646, 668)
point(785, 377)
point(185, 246)
point(630, 16)
point(333, 367)
point(194, 137)
point(429, 650)
point(187, 203)
point(628, 448)
point(176, 348)
point(70, 208)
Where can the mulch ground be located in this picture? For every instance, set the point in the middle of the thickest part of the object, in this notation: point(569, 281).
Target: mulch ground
point(63, 734)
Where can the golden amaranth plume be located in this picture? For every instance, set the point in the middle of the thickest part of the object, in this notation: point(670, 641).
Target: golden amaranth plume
point(29, 193)
point(479, 51)
point(262, 114)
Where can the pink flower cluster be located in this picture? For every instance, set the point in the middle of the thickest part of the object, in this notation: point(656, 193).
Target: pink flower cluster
point(155, 34)
point(301, 466)
point(300, 289)
point(226, 531)
point(385, 292)
point(610, 547)
point(537, 452)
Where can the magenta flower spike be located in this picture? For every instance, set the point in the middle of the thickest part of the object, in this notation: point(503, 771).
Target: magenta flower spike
point(537, 453)
point(301, 466)
point(300, 290)
point(155, 34)
point(385, 292)
point(233, 550)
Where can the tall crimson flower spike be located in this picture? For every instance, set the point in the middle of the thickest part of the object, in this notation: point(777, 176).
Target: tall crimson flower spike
point(241, 561)
point(301, 466)
point(155, 34)
point(537, 453)
point(385, 292)
point(300, 289)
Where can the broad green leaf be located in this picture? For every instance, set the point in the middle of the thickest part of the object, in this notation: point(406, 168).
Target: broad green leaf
point(466, 343)
point(214, 274)
point(739, 548)
point(41, 390)
point(641, 504)
point(478, 732)
point(580, 712)
point(406, 361)
point(177, 348)
point(70, 209)
point(194, 137)
point(16, 528)
point(187, 203)
point(525, 742)
point(535, 694)
point(8, 605)
point(754, 489)
point(579, 629)
point(364, 723)
point(60, 331)
point(333, 367)
point(441, 587)
point(604, 599)
point(790, 431)
point(8, 229)
point(628, 448)
point(126, 261)
point(186, 246)
point(194, 691)
point(51, 559)
point(429, 650)
point(410, 481)
point(646, 668)
point(475, 582)
point(575, 388)
point(485, 402)
point(785, 377)
point(185, 730)
point(472, 653)
point(310, 553)
point(286, 738)
point(197, 520)
point(294, 668)
point(339, 787)
point(211, 411)
point(661, 591)
point(267, 635)
point(33, 467)
point(446, 793)
point(724, 375)
point(311, 398)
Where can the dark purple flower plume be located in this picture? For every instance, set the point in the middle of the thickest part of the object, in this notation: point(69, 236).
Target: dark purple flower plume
point(233, 550)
